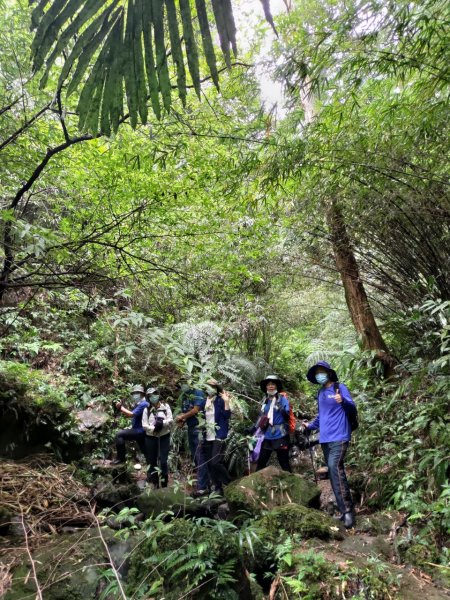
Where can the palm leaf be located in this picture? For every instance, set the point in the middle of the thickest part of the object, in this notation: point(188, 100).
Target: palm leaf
point(106, 44)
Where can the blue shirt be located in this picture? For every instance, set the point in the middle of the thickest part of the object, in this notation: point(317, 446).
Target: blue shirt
point(138, 411)
point(221, 417)
point(332, 421)
point(190, 399)
point(280, 426)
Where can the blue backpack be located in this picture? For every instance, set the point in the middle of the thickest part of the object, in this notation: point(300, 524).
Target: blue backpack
point(350, 410)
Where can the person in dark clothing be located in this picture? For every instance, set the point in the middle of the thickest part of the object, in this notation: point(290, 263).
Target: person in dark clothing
point(274, 422)
point(216, 415)
point(192, 400)
point(156, 421)
point(334, 432)
point(136, 432)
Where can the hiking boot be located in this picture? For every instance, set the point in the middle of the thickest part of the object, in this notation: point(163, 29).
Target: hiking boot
point(117, 461)
point(199, 493)
point(349, 520)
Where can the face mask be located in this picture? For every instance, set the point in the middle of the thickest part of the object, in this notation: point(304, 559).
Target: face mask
point(184, 387)
point(271, 392)
point(321, 378)
point(153, 400)
point(136, 397)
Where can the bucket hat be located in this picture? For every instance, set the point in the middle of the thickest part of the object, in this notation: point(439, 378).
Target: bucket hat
point(274, 379)
point(138, 388)
point(321, 363)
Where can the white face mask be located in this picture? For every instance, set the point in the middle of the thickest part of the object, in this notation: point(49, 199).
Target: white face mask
point(271, 392)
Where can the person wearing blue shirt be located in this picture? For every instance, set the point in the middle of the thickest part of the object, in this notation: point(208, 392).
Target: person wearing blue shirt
point(136, 433)
point(216, 416)
point(192, 400)
point(274, 422)
point(334, 432)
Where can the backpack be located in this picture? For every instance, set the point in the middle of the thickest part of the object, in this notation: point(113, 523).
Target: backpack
point(351, 411)
point(291, 420)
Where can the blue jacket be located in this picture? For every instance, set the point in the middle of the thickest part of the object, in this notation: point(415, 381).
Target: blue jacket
point(189, 399)
point(138, 411)
point(332, 420)
point(221, 418)
point(280, 426)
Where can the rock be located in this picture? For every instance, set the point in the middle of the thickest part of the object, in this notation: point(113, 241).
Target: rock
point(91, 419)
point(380, 522)
point(154, 502)
point(107, 493)
point(5, 520)
point(69, 566)
point(294, 518)
point(268, 488)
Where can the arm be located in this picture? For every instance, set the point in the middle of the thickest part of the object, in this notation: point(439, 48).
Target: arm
point(123, 410)
point(145, 420)
point(184, 416)
point(315, 424)
point(168, 419)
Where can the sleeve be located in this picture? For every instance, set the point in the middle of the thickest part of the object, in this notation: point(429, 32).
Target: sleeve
point(285, 407)
point(348, 404)
point(315, 424)
point(168, 419)
point(199, 399)
point(139, 409)
point(145, 422)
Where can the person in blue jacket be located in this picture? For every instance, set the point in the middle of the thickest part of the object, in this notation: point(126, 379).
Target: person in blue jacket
point(334, 432)
point(192, 400)
point(136, 432)
point(216, 416)
point(274, 422)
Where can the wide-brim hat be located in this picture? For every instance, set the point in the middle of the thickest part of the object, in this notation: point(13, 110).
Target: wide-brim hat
point(321, 363)
point(274, 379)
point(150, 390)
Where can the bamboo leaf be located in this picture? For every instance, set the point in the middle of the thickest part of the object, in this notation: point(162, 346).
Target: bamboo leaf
point(139, 62)
point(268, 14)
point(227, 10)
point(116, 109)
point(208, 46)
point(149, 58)
point(175, 46)
point(222, 30)
point(191, 46)
point(128, 66)
point(161, 56)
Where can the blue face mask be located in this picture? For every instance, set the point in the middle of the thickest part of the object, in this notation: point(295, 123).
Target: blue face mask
point(153, 400)
point(136, 397)
point(321, 378)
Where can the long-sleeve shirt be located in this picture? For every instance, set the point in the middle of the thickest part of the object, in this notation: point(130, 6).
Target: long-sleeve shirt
point(149, 419)
point(138, 410)
point(332, 420)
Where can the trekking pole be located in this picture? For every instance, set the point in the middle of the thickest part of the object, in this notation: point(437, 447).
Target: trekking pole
point(307, 433)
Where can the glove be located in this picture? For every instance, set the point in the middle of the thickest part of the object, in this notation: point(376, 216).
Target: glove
point(159, 422)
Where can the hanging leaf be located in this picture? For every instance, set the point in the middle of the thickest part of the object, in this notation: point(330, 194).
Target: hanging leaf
point(191, 46)
point(152, 78)
point(176, 49)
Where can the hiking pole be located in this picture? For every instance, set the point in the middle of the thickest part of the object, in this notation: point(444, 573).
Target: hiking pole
point(310, 446)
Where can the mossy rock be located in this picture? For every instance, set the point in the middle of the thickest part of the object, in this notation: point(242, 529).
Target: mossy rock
point(109, 494)
point(269, 488)
point(379, 523)
point(68, 567)
point(182, 556)
point(296, 519)
point(155, 502)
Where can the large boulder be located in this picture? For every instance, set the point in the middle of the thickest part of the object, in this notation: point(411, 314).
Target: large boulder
point(269, 488)
point(70, 566)
point(91, 419)
point(296, 519)
point(155, 502)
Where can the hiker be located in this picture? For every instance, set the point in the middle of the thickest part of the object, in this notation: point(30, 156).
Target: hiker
point(334, 405)
point(136, 432)
point(216, 416)
point(156, 421)
point(192, 400)
point(274, 422)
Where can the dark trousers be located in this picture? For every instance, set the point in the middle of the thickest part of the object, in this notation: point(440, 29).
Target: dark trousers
point(212, 455)
point(129, 435)
point(334, 453)
point(158, 447)
point(279, 446)
point(194, 448)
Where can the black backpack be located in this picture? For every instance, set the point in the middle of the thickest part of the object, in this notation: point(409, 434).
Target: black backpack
point(350, 410)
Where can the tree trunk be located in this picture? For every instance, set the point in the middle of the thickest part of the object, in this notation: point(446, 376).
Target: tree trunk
point(355, 294)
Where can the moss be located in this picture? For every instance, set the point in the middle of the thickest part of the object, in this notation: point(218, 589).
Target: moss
point(269, 488)
point(295, 519)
